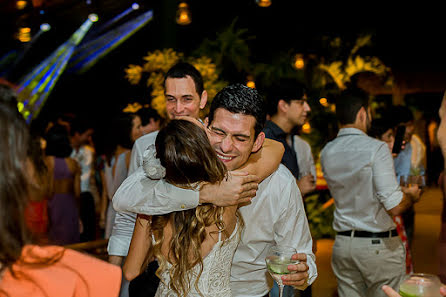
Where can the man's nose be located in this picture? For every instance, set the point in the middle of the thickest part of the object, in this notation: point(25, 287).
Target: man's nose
point(179, 107)
point(307, 107)
point(226, 144)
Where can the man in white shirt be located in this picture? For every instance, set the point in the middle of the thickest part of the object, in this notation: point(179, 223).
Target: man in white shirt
point(368, 252)
point(275, 216)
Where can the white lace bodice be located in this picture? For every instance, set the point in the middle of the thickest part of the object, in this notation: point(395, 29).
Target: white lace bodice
point(214, 280)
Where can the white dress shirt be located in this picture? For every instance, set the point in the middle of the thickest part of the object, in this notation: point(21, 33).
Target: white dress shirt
point(305, 158)
point(360, 175)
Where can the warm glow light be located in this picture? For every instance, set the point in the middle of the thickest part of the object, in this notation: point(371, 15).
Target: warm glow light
point(183, 14)
point(299, 62)
point(24, 34)
point(306, 128)
point(21, 4)
point(251, 84)
point(93, 17)
point(263, 3)
point(324, 102)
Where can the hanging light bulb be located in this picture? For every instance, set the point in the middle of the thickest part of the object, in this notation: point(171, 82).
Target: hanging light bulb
point(24, 34)
point(298, 61)
point(93, 17)
point(21, 4)
point(250, 82)
point(324, 102)
point(263, 3)
point(183, 14)
point(306, 128)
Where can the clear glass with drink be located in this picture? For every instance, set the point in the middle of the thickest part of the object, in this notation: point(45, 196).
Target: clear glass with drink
point(420, 285)
point(277, 260)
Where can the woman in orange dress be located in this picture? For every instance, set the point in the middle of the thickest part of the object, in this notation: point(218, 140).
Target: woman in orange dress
point(31, 270)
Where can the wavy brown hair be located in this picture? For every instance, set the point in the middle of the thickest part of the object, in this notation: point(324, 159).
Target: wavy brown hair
point(184, 150)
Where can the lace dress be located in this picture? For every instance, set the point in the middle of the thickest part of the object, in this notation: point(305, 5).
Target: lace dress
point(214, 280)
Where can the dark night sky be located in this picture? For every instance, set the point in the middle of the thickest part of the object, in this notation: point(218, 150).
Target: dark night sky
point(407, 38)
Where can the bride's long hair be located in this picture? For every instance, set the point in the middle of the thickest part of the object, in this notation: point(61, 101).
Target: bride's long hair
point(184, 150)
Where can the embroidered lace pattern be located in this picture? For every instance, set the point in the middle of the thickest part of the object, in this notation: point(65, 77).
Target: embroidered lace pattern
point(214, 280)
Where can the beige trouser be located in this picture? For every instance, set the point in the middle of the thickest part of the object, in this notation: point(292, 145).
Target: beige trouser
point(363, 265)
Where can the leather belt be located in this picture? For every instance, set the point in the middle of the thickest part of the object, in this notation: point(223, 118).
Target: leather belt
point(391, 233)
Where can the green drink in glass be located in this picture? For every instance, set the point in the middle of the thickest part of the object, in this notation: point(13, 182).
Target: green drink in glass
point(420, 285)
point(277, 260)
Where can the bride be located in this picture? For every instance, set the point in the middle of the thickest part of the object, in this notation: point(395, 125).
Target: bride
point(194, 247)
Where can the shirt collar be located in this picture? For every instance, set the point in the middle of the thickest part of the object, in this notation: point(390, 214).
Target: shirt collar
point(275, 130)
point(350, 131)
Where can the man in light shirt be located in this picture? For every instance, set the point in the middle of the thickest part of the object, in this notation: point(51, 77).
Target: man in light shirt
point(368, 252)
point(276, 214)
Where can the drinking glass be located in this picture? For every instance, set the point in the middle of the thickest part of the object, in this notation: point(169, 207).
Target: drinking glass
point(277, 260)
point(416, 180)
point(420, 285)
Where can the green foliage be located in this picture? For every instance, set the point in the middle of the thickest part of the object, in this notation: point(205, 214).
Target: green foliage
point(319, 218)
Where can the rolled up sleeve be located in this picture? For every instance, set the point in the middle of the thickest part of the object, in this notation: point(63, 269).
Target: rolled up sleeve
point(386, 186)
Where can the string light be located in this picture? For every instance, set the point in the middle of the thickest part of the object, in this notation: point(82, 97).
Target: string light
point(45, 27)
point(250, 82)
point(135, 6)
point(24, 34)
point(21, 4)
point(299, 62)
point(324, 102)
point(183, 14)
point(306, 128)
point(263, 3)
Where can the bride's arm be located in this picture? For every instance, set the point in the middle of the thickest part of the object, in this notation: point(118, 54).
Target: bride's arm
point(141, 243)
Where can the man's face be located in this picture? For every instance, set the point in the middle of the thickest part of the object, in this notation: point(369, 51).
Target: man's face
point(297, 111)
point(410, 129)
point(84, 138)
point(232, 137)
point(182, 98)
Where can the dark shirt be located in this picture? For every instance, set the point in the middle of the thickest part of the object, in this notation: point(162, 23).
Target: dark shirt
point(289, 158)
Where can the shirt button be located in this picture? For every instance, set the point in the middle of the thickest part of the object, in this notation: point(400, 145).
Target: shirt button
point(183, 206)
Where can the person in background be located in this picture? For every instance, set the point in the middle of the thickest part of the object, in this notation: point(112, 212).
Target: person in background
point(383, 130)
point(367, 252)
point(36, 212)
point(288, 111)
point(125, 129)
point(441, 138)
point(411, 160)
point(150, 120)
point(80, 139)
point(32, 270)
point(63, 206)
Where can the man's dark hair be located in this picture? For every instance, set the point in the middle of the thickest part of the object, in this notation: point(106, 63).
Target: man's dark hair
point(241, 99)
point(181, 70)
point(79, 125)
point(57, 142)
point(146, 114)
point(400, 114)
point(286, 89)
point(380, 126)
point(348, 104)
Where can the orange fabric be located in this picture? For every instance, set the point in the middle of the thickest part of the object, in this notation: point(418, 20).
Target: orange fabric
point(74, 275)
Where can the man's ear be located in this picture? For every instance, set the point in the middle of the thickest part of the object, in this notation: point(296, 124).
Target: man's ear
point(258, 143)
point(206, 121)
point(361, 116)
point(282, 106)
point(203, 99)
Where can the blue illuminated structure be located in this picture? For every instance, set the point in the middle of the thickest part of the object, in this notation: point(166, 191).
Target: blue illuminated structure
point(35, 87)
point(89, 53)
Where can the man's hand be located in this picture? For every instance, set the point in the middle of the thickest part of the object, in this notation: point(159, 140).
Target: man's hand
point(413, 191)
point(238, 188)
point(299, 273)
point(306, 184)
